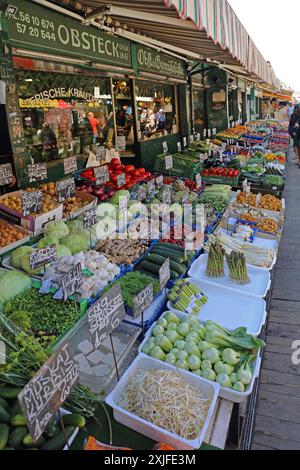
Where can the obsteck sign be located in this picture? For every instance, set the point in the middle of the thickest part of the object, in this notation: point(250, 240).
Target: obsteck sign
point(41, 257)
point(44, 394)
point(142, 300)
point(31, 202)
point(6, 174)
point(33, 26)
point(65, 189)
point(105, 315)
point(71, 281)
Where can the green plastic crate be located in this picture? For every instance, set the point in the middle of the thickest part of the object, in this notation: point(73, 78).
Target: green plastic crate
point(221, 180)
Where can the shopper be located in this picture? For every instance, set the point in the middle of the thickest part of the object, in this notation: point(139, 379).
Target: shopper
point(290, 110)
point(294, 131)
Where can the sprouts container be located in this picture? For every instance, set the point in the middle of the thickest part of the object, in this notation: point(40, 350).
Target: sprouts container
point(227, 393)
point(260, 278)
point(158, 434)
point(229, 308)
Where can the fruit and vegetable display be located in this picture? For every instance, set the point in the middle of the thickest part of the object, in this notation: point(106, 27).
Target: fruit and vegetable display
point(164, 398)
point(265, 224)
point(10, 233)
point(238, 273)
point(222, 172)
point(206, 349)
point(215, 261)
point(122, 251)
point(14, 202)
point(186, 297)
point(267, 201)
point(217, 196)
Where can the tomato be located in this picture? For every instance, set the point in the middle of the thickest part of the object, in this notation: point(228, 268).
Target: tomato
point(115, 161)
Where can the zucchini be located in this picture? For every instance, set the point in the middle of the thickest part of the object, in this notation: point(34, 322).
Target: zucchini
point(18, 420)
point(28, 441)
point(142, 271)
point(4, 432)
point(148, 266)
point(51, 428)
point(159, 260)
point(9, 392)
point(171, 246)
point(3, 403)
point(75, 420)
point(59, 441)
point(16, 436)
point(168, 254)
point(16, 409)
point(4, 416)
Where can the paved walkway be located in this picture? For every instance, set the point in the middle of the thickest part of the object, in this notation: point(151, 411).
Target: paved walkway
point(277, 424)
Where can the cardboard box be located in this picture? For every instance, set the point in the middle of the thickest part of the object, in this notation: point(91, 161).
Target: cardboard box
point(92, 202)
point(13, 246)
point(33, 224)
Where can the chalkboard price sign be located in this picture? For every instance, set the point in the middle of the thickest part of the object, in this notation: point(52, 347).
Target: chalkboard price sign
point(37, 172)
point(101, 174)
point(160, 181)
point(42, 257)
point(105, 315)
point(70, 165)
point(31, 202)
point(169, 162)
point(166, 196)
point(121, 180)
point(164, 274)
point(100, 153)
point(142, 300)
point(120, 143)
point(44, 394)
point(65, 189)
point(89, 218)
point(71, 281)
point(6, 174)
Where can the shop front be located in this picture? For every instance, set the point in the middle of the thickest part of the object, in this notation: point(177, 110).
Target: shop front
point(72, 89)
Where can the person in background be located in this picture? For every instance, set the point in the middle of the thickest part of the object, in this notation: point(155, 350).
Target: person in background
point(294, 131)
point(290, 110)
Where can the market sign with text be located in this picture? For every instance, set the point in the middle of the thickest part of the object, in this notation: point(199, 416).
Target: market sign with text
point(35, 27)
point(162, 64)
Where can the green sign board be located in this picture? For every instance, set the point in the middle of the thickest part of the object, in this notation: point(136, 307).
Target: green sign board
point(35, 27)
point(152, 61)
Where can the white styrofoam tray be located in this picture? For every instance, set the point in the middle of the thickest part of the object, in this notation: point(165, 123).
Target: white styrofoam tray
point(260, 278)
point(229, 308)
point(227, 393)
point(158, 434)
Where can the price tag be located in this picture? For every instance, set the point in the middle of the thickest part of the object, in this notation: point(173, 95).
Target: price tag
point(198, 137)
point(184, 140)
point(44, 394)
point(105, 315)
point(141, 194)
point(165, 147)
point(258, 199)
point(151, 185)
point(101, 174)
point(70, 165)
point(204, 133)
point(142, 300)
point(121, 180)
point(214, 131)
point(42, 257)
point(164, 274)
point(89, 218)
point(65, 189)
point(100, 153)
point(245, 185)
point(192, 138)
point(159, 182)
point(71, 281)
point(166, 196)
point(169, 162)
point(198, 181)
point(31, 202)
point(208, 133)
point(179, 148)
point(120, 143)
point(6, 174)
point(37, 172)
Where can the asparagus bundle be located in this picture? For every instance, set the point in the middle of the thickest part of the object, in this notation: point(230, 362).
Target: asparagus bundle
point(215, 261)
point(186, 297)
point(237, 268)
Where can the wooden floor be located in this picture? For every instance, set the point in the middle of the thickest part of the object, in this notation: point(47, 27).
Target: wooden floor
point(277, 424)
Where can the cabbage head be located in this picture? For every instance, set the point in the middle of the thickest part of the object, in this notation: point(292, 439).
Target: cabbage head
point(17, 255)
point(116, 197)
point(62, 250)
point(47, 241)
point(13, 283)
point(76, 242)
point(25, 265)
point(57, 229)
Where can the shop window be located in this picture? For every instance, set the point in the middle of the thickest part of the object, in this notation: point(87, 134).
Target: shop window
point(124, 109)
point(64, 115)
point(156, 108)
point(199, 110)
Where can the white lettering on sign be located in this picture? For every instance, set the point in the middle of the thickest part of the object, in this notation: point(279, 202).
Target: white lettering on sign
point(71, 281)
point(65, 189)
point(165, 147)
point(142, 300)
point(169, 162)
point(162, 63)
point(42, 257)
point(164, 273)
point(101, 174)
point(70, 165)
point(6, 174)
point(31, 202)
point(37, 172)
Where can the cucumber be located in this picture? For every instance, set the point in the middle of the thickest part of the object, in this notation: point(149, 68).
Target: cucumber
point(4, 416)
point(59, 441)
point(75, 420)
point(28, 441)
point(171, 246)
point(4, 432)
point(156, 259)
point(18, 420)
point(9, 392)
point(3, 403)
point(168, 254)
point(146, 265)
point(16, 409)
point(140, 270)
point(16, 436)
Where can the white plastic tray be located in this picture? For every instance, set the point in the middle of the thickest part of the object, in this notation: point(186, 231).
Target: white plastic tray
point(210, 389)
point(259, 285)
point(227, 393)
point(230, 309)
